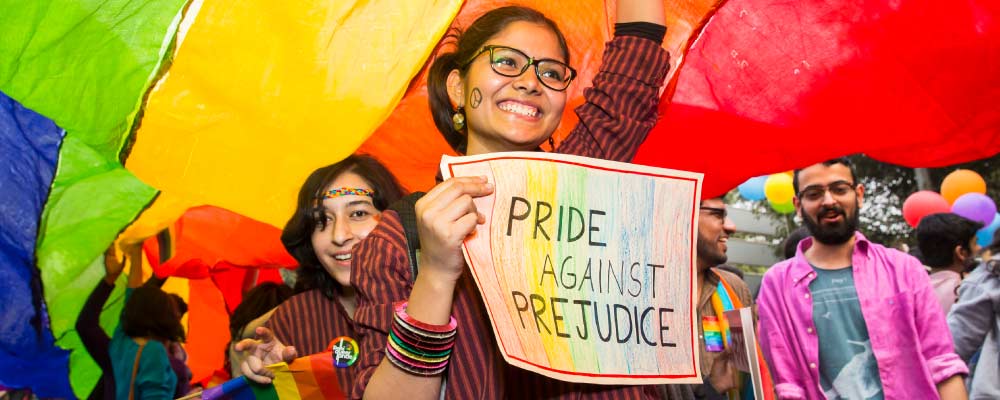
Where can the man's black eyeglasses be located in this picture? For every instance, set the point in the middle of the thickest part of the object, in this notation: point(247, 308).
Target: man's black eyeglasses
point(721, 213)
point(837, 189)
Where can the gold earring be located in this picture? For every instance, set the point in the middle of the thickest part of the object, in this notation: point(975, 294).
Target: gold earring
point(458, 120)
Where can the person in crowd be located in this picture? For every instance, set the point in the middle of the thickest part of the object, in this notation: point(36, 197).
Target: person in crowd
point(253, 311)
point(847, 318)
point(88, 326)
point(974, 321)
point(948, 244)
point(337, 207)
point(178, 356)
point(791, 242)
point(136, 361)
point(93, 337)
point(502, 88)
point(150, 322)
point(716, 288)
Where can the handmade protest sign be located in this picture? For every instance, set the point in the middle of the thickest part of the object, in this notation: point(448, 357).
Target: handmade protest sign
point(587, 266)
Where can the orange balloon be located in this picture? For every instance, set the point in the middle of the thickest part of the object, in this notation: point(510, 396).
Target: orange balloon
point(960, 182)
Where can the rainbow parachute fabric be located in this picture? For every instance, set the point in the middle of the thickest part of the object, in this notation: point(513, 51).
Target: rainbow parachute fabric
point(118, 116)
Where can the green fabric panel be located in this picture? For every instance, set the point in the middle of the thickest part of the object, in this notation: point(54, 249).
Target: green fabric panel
point(263, 392)
point(91, 201)
point(85, 64)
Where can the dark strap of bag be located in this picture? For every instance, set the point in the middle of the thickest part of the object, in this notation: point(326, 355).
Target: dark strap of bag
point(406, 208)
point(135, 370)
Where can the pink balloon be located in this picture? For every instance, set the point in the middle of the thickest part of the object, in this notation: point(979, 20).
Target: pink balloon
point(923, 203)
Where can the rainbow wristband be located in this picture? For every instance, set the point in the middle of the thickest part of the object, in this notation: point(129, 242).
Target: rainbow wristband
point(422, 335)
point(415, 370)
point(410, 355)
point(416, 341)
point(400, 307)
point(419, 348)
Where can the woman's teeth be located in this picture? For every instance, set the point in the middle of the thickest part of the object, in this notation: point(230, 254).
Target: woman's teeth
point(342, 257)
point(521, 109)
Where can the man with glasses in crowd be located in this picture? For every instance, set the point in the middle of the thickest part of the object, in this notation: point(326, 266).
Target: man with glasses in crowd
point(847, 318)
point(714, 229)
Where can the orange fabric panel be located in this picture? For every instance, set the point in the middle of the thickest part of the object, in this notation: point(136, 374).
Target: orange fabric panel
point(208, 329)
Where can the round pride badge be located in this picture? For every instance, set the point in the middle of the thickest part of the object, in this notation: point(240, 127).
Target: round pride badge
point(345, 351)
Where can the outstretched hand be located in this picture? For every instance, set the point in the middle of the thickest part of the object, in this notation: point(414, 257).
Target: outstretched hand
point(261, 352)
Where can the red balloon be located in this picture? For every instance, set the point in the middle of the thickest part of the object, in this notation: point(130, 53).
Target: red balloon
point(923, 203)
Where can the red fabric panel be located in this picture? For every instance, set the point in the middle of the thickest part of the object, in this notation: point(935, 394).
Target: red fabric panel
point(234, 281)
point(208, 237)
point(771, 86)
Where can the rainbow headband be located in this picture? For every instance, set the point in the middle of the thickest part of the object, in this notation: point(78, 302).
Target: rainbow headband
point(347, 191)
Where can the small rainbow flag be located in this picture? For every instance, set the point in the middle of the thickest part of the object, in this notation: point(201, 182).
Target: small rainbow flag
point(713, 334)
point(305, 378)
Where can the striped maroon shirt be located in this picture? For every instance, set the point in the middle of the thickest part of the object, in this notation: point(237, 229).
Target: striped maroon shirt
point(619, 112)
point(310, 321)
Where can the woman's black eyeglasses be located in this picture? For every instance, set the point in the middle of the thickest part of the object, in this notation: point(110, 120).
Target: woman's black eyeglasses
point(511, 62)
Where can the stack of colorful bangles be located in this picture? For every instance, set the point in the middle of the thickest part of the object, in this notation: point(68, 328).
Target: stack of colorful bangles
point(419, 348)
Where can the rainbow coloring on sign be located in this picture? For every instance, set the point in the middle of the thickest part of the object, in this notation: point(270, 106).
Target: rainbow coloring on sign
point(588, 270)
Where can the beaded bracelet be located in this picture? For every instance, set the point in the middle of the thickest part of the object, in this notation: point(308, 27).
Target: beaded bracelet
point(417, 347)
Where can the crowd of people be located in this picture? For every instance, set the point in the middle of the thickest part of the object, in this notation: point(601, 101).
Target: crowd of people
point(841, 318)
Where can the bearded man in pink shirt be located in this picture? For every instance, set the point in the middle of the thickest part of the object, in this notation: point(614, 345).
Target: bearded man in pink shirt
point(847, 318)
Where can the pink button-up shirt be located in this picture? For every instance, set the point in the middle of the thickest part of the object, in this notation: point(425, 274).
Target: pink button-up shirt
point(908, 332)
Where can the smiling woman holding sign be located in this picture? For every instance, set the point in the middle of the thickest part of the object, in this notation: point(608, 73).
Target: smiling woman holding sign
point(502, 89)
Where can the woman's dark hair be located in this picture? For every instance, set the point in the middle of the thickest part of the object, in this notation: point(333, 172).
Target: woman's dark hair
point(180, 304)
point(297, 235)
point(467, 44)
point(151, 312)
point(256, 302)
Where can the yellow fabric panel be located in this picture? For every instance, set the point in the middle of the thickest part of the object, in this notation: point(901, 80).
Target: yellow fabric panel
point(166, 209)
point(182, 288)
point(261, 92)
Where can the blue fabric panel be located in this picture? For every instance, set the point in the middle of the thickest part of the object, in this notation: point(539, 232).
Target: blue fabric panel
point(28, 356)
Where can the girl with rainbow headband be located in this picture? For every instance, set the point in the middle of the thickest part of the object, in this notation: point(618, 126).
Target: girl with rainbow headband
point(338, 205)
